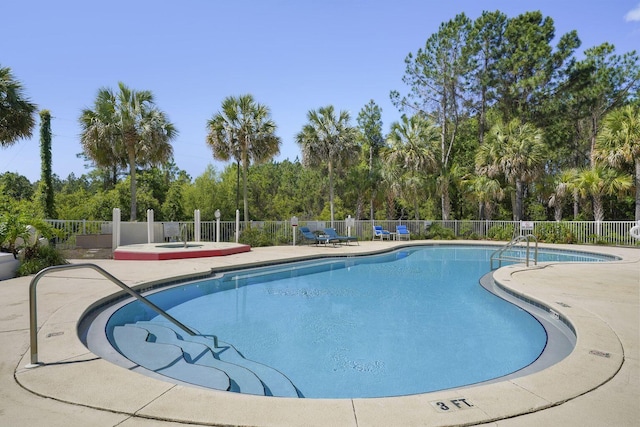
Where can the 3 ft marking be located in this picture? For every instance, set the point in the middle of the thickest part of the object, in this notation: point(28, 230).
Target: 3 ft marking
point(451, 405)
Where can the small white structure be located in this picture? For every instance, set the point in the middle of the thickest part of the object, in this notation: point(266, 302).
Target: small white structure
point(635, 231)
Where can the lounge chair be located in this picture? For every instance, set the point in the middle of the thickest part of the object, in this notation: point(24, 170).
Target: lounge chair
point(333, 234)
point(312, 238)
point(380, 233)
point(402, 232)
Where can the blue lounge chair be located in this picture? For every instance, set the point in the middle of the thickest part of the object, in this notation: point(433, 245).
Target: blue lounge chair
point(333, 234)
point(402, 232)
point(380, 233)
point(312, 238)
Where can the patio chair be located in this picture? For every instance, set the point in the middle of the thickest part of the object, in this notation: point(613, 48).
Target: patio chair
point(333, 234)
point(380, 233)
point(402, 232)
point(310, 237)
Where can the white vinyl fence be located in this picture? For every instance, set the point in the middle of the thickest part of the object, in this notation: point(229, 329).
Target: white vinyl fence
point(281, 232)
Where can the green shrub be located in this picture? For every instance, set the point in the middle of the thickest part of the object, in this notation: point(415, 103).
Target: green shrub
point(615, 238)
point(38, 257)
point(282, 238)
point(15, 235)
point(554, 233)
point(466, 231)
point(500, 233)
point(12, 228)
point(255, 237)
point(438, 232)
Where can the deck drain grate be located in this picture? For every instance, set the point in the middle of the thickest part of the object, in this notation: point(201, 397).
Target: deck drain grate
point(563, 304)
point(600, 353)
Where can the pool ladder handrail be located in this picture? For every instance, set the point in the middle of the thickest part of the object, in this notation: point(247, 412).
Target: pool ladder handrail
point(498, 255)
point(183, 234)
point(33, 315)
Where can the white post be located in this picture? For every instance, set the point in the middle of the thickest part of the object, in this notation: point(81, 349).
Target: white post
point(294, 226)
point(115, 229)
point(217, 215)
point(237, 225)
point(196, 223)
point(150, 236)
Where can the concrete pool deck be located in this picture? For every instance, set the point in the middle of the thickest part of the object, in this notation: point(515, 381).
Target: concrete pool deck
point(598, 384)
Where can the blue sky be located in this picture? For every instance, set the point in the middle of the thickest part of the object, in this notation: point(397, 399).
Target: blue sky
point(292, 55)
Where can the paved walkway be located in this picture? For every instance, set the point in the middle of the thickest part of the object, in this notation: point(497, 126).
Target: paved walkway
point(598, 384)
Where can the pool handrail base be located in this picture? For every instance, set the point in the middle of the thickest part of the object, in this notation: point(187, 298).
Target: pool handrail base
point(33, 315)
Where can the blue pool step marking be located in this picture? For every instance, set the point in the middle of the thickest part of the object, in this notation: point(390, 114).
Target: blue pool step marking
point(166, 359)
point(193, 359)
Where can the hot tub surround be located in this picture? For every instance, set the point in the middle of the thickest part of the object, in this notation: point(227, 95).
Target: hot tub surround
point(177, 250)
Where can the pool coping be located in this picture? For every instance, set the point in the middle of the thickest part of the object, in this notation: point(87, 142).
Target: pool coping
point(71, 372)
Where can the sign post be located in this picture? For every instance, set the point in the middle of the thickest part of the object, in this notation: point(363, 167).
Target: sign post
point(526, 226)
point(217, 215)
point(350, 222)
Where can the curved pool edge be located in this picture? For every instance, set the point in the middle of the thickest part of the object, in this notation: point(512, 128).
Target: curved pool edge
point(585, 369)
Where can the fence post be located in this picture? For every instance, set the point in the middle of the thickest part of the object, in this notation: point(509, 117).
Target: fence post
point(150, 233)
point(237, 225)
point(115, 237)
point(294, 228)
point(196, 225)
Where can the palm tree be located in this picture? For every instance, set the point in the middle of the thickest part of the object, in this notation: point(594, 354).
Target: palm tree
point(618, 143)
point(243, 130)
point(518, 152)
point(391, 175)
point(100, 137)
point(16, 111)
point(598, 182)
point(126, 128)
point(413, 152)
point(329, 139)
point(485, 191)
point(564, 186)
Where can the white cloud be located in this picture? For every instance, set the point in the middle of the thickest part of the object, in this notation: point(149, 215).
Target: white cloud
point(633, 14)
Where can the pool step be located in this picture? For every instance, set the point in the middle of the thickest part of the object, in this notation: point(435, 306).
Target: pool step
point(166, 359)
point(246, 376)
point(243, 380)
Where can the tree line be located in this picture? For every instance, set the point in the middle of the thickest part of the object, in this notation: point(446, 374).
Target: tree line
point(501, 120)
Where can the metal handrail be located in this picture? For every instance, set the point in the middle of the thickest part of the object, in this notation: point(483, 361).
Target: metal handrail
point(183, 234)
point(497, 255)
point(33, 315)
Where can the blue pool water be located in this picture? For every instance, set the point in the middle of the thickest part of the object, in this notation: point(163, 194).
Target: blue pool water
point(411, 321)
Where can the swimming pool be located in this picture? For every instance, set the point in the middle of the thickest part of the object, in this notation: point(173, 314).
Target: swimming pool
point(410, 321)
